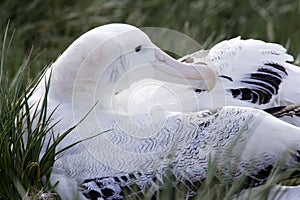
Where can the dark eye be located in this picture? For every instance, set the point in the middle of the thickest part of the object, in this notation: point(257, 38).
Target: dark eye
point(138, 48)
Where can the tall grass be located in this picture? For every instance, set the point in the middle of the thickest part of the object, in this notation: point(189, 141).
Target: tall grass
point(27, 147)
point(20, 168)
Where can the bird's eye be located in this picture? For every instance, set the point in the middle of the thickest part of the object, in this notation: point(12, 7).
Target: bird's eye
point(138, 48)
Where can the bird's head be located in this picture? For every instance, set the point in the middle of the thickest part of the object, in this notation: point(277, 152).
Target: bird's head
point(112, 57)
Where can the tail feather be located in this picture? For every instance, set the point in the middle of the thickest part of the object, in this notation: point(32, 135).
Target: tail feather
point(281, 111)
point(290, 113)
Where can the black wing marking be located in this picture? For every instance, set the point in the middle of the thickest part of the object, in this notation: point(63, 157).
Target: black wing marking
point(281, 111)
point(226, 77)
point(120, 186)
point(260, 86)
point(136, 185)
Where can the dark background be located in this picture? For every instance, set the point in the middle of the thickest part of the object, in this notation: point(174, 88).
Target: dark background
point(44, 28)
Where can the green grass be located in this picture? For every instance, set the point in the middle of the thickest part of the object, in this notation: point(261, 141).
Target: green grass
point(21, 168)
point(27, 148)
point(40, 30)
point(47, 27)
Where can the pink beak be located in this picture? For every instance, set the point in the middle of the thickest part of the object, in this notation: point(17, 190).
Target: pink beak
point(189, 71)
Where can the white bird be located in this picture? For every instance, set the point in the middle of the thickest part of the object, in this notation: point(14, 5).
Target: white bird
point(84, 85)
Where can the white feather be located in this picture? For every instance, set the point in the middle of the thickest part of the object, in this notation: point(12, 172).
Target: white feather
point(235, 61)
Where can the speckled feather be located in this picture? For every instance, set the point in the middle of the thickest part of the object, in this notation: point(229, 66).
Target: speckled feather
point(207, 135)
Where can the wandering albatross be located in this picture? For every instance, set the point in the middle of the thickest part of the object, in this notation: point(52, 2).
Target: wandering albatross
point(136, 149)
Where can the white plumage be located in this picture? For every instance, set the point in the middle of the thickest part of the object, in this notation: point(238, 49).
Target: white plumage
point(250, 73)
point(92, 75)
